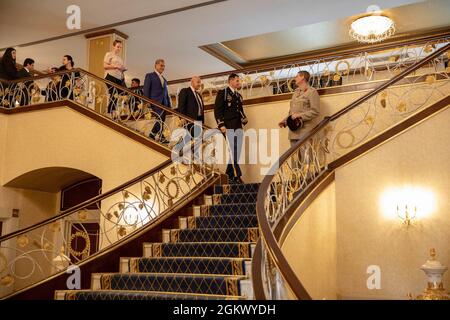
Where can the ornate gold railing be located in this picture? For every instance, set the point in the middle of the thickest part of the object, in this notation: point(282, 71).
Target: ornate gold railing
point(31, 255)
point(322, 149)
point(330, 71)
point(127, 107)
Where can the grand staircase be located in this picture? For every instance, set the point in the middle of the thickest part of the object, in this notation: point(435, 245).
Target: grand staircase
point(208, 257)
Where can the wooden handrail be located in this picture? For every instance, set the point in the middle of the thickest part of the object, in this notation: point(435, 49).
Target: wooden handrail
point(266, 231)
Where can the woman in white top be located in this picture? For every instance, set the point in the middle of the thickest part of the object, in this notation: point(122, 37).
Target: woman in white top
point(114, 69)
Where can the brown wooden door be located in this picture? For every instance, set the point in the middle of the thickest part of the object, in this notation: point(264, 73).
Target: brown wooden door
point(80, 192)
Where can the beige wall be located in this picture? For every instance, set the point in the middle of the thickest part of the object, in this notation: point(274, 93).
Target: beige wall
point(346, 230)
point(50, 54)
point(64, 138)
point(419, 157)
point(310, 246)
point(34, 206)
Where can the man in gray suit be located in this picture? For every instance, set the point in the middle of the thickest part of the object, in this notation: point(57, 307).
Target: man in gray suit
point(304, 109)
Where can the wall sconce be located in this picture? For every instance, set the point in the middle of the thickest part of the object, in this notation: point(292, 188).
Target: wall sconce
point(406, 215)
point(408, 203)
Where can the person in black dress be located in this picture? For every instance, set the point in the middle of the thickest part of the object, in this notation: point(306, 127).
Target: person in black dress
point(68, 80)
point(8, 71)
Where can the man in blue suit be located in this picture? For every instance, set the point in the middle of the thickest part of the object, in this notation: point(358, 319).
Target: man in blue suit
point(155, 88)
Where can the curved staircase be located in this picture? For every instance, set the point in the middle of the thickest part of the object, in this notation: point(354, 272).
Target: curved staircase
point(207, 257)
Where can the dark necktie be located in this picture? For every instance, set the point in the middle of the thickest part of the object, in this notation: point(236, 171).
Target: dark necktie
point(199, 103)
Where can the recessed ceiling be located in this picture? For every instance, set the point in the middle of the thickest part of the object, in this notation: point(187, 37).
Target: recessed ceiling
point(409, 19)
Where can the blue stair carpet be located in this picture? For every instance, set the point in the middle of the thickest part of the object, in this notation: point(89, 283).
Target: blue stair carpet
point(207, 259)
point(197, 265)
point(202, 249)
point(228, 209)
point(99, 295)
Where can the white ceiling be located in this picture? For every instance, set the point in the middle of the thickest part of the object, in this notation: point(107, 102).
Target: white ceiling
point(175, 37)
point(44, 19)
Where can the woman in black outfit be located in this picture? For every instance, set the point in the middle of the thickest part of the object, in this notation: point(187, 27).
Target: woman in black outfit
point(67, 83)
point(8, 71)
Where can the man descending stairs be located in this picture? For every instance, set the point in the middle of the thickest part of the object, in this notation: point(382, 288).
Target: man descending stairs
point(208, 257)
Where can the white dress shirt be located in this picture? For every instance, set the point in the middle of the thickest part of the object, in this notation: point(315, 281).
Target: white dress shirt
point(161, 78)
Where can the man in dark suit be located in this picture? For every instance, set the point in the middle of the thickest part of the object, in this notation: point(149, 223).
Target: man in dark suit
point(26, 72)
point(155, 88)
point(190, 103)
point(231, 118)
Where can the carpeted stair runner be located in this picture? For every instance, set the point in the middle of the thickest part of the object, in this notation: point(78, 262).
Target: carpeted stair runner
point(97, 295)
point(192, 265)
point(228, 209)
point(208, 257)
point(199, 249)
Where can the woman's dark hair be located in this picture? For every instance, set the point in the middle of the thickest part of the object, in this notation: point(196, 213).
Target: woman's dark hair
point(7, 57)
point(70, 59)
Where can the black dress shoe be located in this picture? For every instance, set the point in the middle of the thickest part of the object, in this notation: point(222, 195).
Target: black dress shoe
point(235, 180)
point(238, 180)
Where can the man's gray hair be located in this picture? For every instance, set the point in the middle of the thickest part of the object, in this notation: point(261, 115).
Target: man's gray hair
point(158, 61)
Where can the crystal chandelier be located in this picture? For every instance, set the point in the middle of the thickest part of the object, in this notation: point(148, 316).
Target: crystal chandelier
point(372, 28)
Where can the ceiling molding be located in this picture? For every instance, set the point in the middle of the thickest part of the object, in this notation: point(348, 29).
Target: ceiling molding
point(220, 56)
point(269, 64)
point(106, 32)
point(353, 47)
point(112, 25)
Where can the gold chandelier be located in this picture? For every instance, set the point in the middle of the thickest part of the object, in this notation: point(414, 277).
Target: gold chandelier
point(372, 28)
